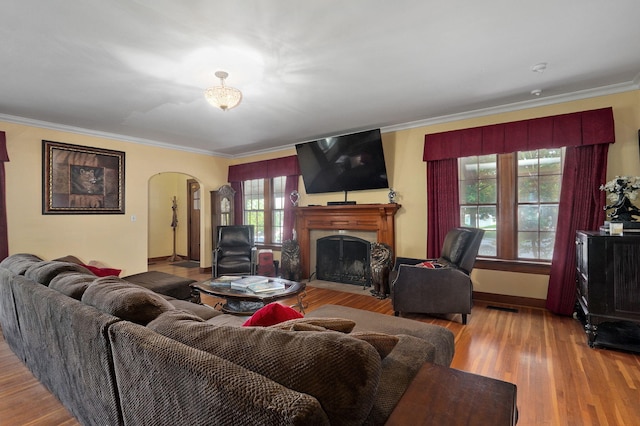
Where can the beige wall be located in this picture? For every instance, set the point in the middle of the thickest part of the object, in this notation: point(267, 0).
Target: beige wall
point(407, 175)
point(162, 188)
point(116, 240)
point(119, 242)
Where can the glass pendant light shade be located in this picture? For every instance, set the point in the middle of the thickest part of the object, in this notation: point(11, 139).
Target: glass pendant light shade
point(222, 96)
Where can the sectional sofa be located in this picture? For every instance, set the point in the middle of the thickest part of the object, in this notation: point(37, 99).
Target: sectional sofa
point(115, 353)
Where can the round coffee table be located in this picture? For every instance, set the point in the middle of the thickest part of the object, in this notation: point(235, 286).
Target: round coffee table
point(246, 302)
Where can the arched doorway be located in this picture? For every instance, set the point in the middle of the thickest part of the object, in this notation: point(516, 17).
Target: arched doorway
point(163, 187)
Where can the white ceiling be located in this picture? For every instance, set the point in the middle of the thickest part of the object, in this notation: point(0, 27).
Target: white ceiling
point(136, 69)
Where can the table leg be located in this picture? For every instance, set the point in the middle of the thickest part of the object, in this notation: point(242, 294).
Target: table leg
point(300, 304)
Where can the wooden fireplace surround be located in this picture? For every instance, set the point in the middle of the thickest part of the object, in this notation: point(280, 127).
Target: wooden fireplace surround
point(379, 218)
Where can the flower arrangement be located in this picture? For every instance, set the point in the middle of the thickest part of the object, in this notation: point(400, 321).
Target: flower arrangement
point(621, 190)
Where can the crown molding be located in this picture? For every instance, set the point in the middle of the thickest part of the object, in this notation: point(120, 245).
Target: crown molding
point(516, 106)
point(99, 134)
point(550, 100)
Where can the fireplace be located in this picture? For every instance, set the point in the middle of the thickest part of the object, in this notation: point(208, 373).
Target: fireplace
point(343, 259)
point(376, 218)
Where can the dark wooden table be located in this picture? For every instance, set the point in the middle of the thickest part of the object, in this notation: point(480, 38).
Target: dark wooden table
point(245, 302)
point(448, 397)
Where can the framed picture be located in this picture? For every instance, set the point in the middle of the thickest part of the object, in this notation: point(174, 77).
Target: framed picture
point(81, 180)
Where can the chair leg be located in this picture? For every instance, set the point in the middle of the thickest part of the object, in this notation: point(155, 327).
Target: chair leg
point(464, 319)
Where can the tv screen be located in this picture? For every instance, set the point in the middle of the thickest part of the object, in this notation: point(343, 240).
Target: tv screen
point(343, 163)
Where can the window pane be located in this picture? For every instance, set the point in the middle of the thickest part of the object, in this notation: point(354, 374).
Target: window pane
point(487, 191)
point(550, 188)
point(548, 218)
point(487, 218)
point(528, 245)
point(489, 244)
point(468, 192)
point(478, 188)
point(528, 189)
point(277, 226)
point(469, 216)
point(528, 218)
point(547, 240)
point(254, 206)
point(551, 161)
point(528, 163)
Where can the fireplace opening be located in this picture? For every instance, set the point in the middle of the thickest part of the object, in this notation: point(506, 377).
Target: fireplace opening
point(343, 259)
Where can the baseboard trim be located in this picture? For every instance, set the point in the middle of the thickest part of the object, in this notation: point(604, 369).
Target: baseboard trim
point(163, 258)
point(510, 300)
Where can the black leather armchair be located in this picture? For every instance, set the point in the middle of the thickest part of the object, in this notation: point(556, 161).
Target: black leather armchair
point(443, 290)
point(235, 252)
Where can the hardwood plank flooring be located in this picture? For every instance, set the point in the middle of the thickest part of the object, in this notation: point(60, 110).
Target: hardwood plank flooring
point(561, 381)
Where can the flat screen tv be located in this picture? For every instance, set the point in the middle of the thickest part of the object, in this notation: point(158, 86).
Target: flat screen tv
point(343, 163)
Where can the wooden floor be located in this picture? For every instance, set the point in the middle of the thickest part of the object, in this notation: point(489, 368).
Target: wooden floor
point(561, 381)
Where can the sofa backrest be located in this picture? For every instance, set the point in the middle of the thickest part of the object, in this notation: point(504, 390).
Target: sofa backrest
point(190, 386)
point(461, 247)
point(67, 349)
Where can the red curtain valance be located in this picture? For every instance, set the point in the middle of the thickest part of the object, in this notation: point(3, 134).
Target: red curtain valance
point(4, 156)
point(266, 169)
point(575, 129)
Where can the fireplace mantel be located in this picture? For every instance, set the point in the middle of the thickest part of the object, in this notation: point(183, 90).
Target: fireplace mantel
point(379, 218)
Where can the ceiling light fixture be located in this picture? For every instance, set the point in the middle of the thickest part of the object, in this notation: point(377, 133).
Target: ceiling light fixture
point(536, 92)
point(222, 96)
point(540, 68)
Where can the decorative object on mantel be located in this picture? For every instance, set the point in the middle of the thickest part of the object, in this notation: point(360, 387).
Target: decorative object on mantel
point(294, 197)
point(392, 196)
point(623, 189)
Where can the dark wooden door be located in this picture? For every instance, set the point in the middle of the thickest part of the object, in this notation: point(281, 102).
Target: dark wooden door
point(193, 219)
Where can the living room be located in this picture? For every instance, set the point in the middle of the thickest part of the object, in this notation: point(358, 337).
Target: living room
point(92, 235)
point(495, 343)
point(51, 236)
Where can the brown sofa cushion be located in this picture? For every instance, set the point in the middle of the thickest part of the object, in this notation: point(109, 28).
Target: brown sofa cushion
point(383, 343)
point(125, 300)
point(307, 324)
point(43, 272)
point(71, 283)
point(19, 263)
point(338, 370)
point(70, 259)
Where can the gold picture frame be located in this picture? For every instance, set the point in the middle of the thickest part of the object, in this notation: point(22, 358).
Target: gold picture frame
point(81, 180)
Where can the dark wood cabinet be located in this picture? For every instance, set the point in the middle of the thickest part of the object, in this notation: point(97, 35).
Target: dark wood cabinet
point(608, 288)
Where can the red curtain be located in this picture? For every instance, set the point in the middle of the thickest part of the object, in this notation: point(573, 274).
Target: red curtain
point(4, 237)
point(581, 208)
point(443, 204)
point(267, 169)
point(586, 135)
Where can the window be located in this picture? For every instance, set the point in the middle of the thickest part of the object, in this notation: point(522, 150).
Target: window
point(514, 198)
point(264, 208)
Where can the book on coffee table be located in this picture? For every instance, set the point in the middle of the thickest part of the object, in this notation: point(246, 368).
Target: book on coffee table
point(245, 282)
point(265, 287)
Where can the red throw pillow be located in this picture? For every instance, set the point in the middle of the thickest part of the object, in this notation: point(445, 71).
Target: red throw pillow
point(430, 265)
point(273, 313)
point(103, 272)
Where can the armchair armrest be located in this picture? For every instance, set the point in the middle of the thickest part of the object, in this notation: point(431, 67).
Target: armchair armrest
point(442, 290)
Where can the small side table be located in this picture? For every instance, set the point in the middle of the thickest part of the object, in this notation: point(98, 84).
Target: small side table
point(446, 396)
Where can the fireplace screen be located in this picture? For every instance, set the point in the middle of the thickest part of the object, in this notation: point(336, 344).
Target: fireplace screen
point(343, 259)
